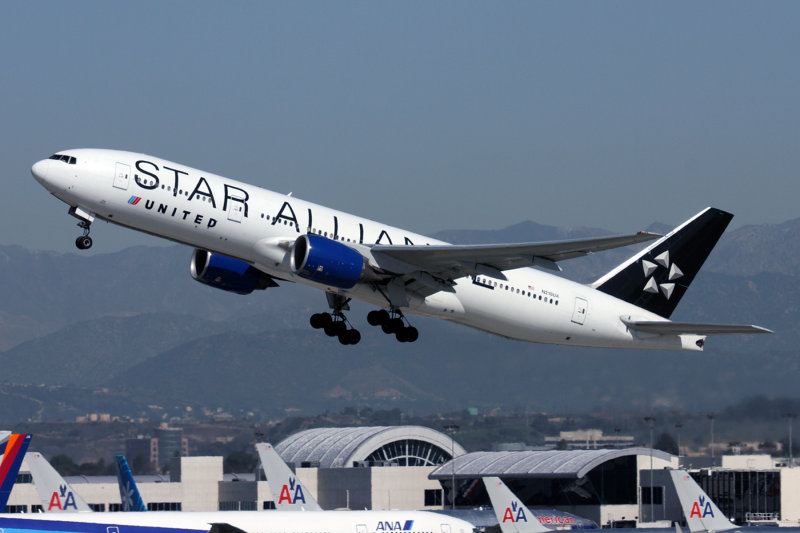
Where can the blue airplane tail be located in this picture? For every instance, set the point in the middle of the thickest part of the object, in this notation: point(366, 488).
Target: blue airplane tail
point(128, 492)
point(13, 451)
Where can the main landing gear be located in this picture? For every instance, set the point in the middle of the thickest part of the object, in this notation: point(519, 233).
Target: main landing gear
point(393, 323)
point(335, 324)
point(84, 242)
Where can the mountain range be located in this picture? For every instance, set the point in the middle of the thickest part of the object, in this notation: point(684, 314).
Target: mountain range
point(130, 333)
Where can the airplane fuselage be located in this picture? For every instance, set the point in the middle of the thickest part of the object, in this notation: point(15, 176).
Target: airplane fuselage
point(259, 227)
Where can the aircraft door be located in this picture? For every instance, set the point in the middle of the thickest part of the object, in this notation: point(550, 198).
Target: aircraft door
point(579, 314)
point(446, 528)
point(361, 528)
point(122, 176)
point(236, 209)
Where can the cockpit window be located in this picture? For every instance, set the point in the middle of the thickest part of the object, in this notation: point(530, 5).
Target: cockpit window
point(70, 160)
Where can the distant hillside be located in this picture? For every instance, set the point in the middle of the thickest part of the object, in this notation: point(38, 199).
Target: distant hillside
point(133, 334)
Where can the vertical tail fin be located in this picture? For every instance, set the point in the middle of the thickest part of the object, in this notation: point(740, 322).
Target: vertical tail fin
point(287, 492)
point(13, 451)
point(657, 278)
point(55, 493)
point(702, 514)
point(512, 515)
point(128, 491)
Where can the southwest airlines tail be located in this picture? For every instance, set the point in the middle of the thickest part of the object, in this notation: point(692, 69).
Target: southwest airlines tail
point(512, 515)
point(128, 491)
point(657, 278)
point(13, 451)
point(54, 493)
point(702, 515)
point(287, 492)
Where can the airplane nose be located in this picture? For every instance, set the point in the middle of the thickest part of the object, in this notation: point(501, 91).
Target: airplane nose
point(39, 170)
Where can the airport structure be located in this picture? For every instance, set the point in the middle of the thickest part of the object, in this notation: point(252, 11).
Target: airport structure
point(412, 467)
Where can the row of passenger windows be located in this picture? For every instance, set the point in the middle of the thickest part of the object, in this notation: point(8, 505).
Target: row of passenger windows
point(70, 160)
point(521, 292)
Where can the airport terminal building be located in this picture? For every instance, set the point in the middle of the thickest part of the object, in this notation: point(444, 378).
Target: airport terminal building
point(412, 467)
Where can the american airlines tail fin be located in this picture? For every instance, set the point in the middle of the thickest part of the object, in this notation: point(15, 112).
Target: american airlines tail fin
point(13, 451)
point(512, 515)
point(128, 491)
point(287, 492)
point(657, 278)
point(702, 514)
point(54, 493)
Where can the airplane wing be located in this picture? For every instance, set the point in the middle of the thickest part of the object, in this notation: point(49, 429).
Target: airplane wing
point(681, 328)
point(454, 261)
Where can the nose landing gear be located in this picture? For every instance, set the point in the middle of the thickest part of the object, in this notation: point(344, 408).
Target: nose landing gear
point(84, 242)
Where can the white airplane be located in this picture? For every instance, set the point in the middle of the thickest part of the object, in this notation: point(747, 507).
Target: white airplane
point(246, 238)
point(701, 513)
point(512, 515)
point(287, 491)
point(237, 522)
point(54, 492)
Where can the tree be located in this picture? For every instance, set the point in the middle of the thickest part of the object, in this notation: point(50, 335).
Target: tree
point(240, 461)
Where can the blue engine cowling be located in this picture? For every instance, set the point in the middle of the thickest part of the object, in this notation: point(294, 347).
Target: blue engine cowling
point(326, 261)
point(228, 274)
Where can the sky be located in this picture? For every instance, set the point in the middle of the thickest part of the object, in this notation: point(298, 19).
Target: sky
point(422, 115)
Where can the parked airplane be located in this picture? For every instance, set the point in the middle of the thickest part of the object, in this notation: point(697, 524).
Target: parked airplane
point(237, 522)
point(54, 492)
point(13, 450)
point(701, 513)
point(287, 491)
point(246, 238)
point(512, 515)
point(128, 491)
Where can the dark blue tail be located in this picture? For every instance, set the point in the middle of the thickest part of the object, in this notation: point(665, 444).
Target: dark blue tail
point(657, 278)
point(13, 451)
point(128, 492)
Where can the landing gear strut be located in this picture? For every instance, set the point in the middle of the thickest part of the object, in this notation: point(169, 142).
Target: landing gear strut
point(85, 217)
point(335, 324)
point(84, 242)
point(393, 323)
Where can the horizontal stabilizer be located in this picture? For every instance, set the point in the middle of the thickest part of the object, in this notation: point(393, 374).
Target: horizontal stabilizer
point(685, 328)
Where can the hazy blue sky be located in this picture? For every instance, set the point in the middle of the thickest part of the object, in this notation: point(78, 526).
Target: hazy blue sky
point(426, 115)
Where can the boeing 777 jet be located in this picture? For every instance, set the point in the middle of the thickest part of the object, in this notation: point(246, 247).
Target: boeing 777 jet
point(246, 238)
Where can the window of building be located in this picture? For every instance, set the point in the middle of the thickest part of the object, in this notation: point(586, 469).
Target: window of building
point(433, 497)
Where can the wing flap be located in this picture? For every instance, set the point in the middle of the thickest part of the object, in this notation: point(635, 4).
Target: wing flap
point(461, 260)
point(686, 328)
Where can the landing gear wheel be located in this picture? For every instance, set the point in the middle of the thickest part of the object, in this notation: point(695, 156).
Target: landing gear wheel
point(350, 336)
point(378, 317)
point(320, 320)
point(84, 242)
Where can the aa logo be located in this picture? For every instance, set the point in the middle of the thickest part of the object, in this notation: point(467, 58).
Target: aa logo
point(515, 513)
point(292, 493)
point(701, 508)
point(62, 500)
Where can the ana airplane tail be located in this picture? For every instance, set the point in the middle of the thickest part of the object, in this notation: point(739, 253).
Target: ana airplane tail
point(512, 515)
point(54, 493)
point(128, 491)
point(702, 514)
point(287, 492)
point(13, 451)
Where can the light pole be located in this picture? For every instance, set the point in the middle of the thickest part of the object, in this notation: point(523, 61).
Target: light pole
point(791, 417)
point(650, 420)
point(451, 429)
point(711, 418)
point(678, 426)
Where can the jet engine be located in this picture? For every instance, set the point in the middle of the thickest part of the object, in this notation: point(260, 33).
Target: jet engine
point(327, 261)
point(227, 273)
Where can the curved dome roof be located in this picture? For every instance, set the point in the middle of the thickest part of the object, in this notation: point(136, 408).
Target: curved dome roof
point(342, 447)
point(549, 463)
